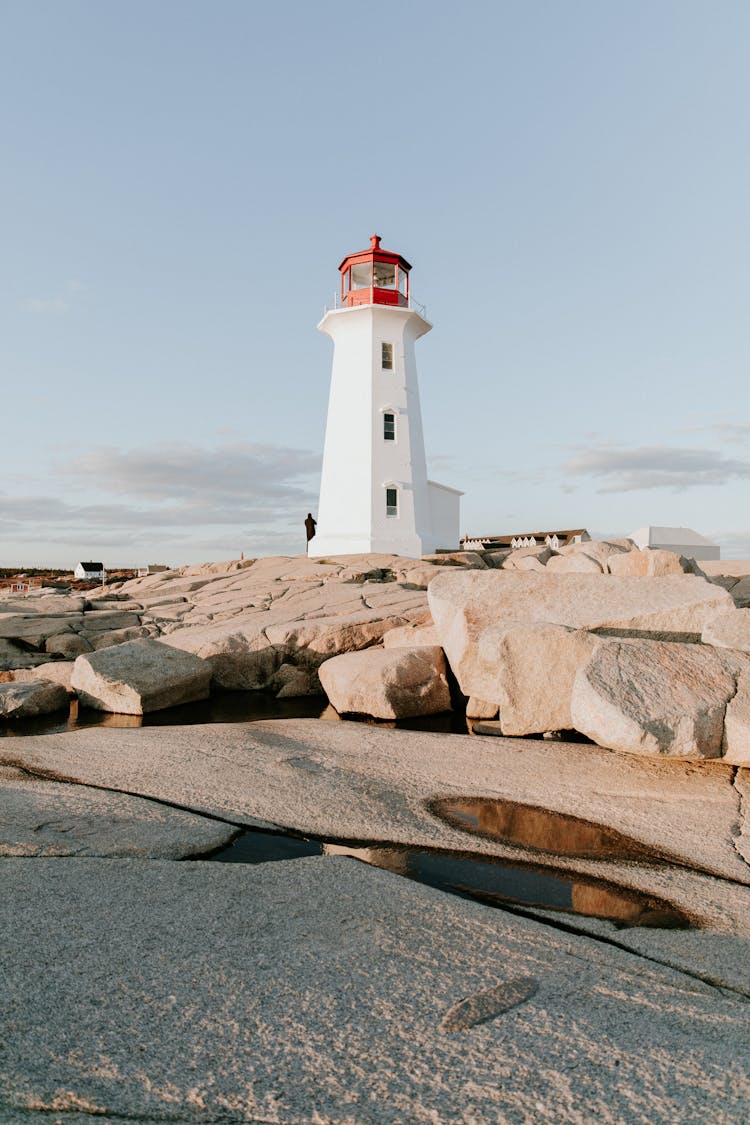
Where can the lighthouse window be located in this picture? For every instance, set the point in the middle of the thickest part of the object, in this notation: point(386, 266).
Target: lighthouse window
point(391, 501)
point(361, 275)
point(389, 427)
point(386, 351)
point(402, 280)
point(385, 275)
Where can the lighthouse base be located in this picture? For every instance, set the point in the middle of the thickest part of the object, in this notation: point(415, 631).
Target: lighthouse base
point(410, 547)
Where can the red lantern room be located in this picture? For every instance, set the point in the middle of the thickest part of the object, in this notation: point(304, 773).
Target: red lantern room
point(375, 277)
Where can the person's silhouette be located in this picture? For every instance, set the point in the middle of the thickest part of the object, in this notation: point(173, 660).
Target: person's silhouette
point(310, 525)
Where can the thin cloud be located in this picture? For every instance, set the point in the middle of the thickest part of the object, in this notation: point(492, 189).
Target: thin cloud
point(57, 304)
point(267, 475)
point(650, 467)
point(738, 433)
point(174, 499)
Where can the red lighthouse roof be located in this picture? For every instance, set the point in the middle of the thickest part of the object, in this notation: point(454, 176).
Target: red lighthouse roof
point(375, 277)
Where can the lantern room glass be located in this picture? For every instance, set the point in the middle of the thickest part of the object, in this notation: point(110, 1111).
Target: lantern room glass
point(361, 275)
point(384, 275)
point(403, 282)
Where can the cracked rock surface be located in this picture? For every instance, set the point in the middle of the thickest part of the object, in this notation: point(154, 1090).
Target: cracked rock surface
point(315, 990)
point(327, 990)
point(49, 818)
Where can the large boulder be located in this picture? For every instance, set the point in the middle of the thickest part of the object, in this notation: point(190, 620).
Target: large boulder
point(396, 683)
point(652, 563)
point(35, 697)
point(591, 556)
point(411, 636)
point(655, 697)
point(741, 593)
point(237, 652)
point(58, 671)
point(67, 645)
point(34, 627)
point(527, 558)
point(139, 676)
point(16, 656)
point(729, 630)
point(528, 672)
point(736, 742)
point(577, 563)
point(118, 636)
point(464, 605)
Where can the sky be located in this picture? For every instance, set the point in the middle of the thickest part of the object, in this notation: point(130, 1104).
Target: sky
point(180, 180)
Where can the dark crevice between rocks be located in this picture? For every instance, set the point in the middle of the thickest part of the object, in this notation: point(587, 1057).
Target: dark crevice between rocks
point(562, 921)
point(492, 880)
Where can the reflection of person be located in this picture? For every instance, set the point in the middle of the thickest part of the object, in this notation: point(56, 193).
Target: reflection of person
point(310, 525)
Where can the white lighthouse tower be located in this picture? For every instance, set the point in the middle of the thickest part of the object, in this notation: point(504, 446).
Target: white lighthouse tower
point(374, 491)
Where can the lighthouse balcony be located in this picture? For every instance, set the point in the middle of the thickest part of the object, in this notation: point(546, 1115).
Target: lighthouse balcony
point(375, 296)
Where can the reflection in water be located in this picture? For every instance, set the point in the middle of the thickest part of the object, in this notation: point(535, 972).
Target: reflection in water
point(489, 881)
point(224, 707)
point(227, 707)
point(539, 829)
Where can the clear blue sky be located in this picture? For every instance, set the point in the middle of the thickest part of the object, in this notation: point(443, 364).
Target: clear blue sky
point(180, 180)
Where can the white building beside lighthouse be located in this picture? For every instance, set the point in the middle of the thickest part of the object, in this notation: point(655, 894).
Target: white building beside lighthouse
point(374, 491)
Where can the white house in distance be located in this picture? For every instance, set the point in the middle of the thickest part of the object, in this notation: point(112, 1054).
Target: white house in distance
point(89, 571)
point(681, 540)
point(374, 491)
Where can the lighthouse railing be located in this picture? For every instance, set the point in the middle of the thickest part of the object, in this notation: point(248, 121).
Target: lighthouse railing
point(410, 303)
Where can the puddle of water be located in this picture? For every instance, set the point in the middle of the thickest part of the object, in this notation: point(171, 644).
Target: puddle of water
point(540, 830)
point(492, 882)
point(266, 847)
point(228, 707)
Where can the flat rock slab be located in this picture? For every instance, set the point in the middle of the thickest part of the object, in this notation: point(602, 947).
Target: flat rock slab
point(315, 990)
point(353, 782)
point(48, 818)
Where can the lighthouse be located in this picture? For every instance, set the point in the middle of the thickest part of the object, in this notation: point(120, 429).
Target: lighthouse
point(374, 491)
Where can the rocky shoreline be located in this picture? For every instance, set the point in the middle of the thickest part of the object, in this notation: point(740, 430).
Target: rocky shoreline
point(141, 981)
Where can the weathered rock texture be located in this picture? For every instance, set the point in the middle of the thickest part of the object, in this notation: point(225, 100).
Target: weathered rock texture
point(394, 683)
point(47, 818)
point(27, 700)
point(465, 604)
point(138, 677)
point(324, 990)
point(736, 740)
point(529, 671)
point(654, 698)
point(652, 563)
point(729, 630)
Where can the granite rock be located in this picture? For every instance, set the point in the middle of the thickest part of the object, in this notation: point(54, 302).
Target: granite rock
point(396, 683)
point(139, 676)
point(35, 697)
point(654, 697)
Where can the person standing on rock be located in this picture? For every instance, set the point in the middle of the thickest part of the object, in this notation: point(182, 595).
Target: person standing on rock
point(310, 525)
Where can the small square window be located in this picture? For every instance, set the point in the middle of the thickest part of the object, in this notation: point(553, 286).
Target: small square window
point(391, 501)
point(387, 356)
point(389, 427)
